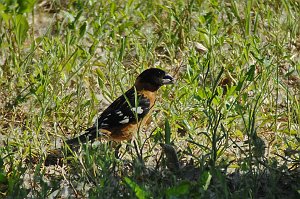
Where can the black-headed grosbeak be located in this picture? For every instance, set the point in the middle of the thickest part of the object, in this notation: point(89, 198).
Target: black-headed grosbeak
point(128, 112)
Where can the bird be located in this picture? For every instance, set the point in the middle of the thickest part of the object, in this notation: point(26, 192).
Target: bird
point(121, 119)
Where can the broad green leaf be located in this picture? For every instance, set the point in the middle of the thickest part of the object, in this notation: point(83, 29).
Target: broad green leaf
point(250, 73)
point(25, 6)
point(21, 28)
point(178, 190)
point(205, 180)
point(139, 192)
point(2, 7)
point(82, 29)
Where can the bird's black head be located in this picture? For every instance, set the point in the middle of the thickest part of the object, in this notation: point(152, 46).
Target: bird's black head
point(153, 78)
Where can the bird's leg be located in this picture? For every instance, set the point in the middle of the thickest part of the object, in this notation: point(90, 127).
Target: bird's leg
point(117, 151)
point(138, 153)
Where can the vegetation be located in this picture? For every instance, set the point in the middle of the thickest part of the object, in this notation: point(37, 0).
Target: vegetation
point(228, 128)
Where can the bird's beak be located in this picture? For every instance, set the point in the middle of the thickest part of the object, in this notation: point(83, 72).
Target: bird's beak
point(167, 79)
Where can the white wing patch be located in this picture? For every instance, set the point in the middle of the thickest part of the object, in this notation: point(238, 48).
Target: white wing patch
point(125, 120)
point(119, 113)
point(137, 110)
point(104, 124)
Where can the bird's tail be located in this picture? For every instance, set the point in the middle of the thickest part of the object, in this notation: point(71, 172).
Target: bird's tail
point(89, 135)
point(56, 156)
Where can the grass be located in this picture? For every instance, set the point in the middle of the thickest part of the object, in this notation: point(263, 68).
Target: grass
point(228, 128)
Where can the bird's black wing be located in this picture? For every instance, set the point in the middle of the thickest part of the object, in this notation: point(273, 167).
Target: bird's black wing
point(128, 108)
